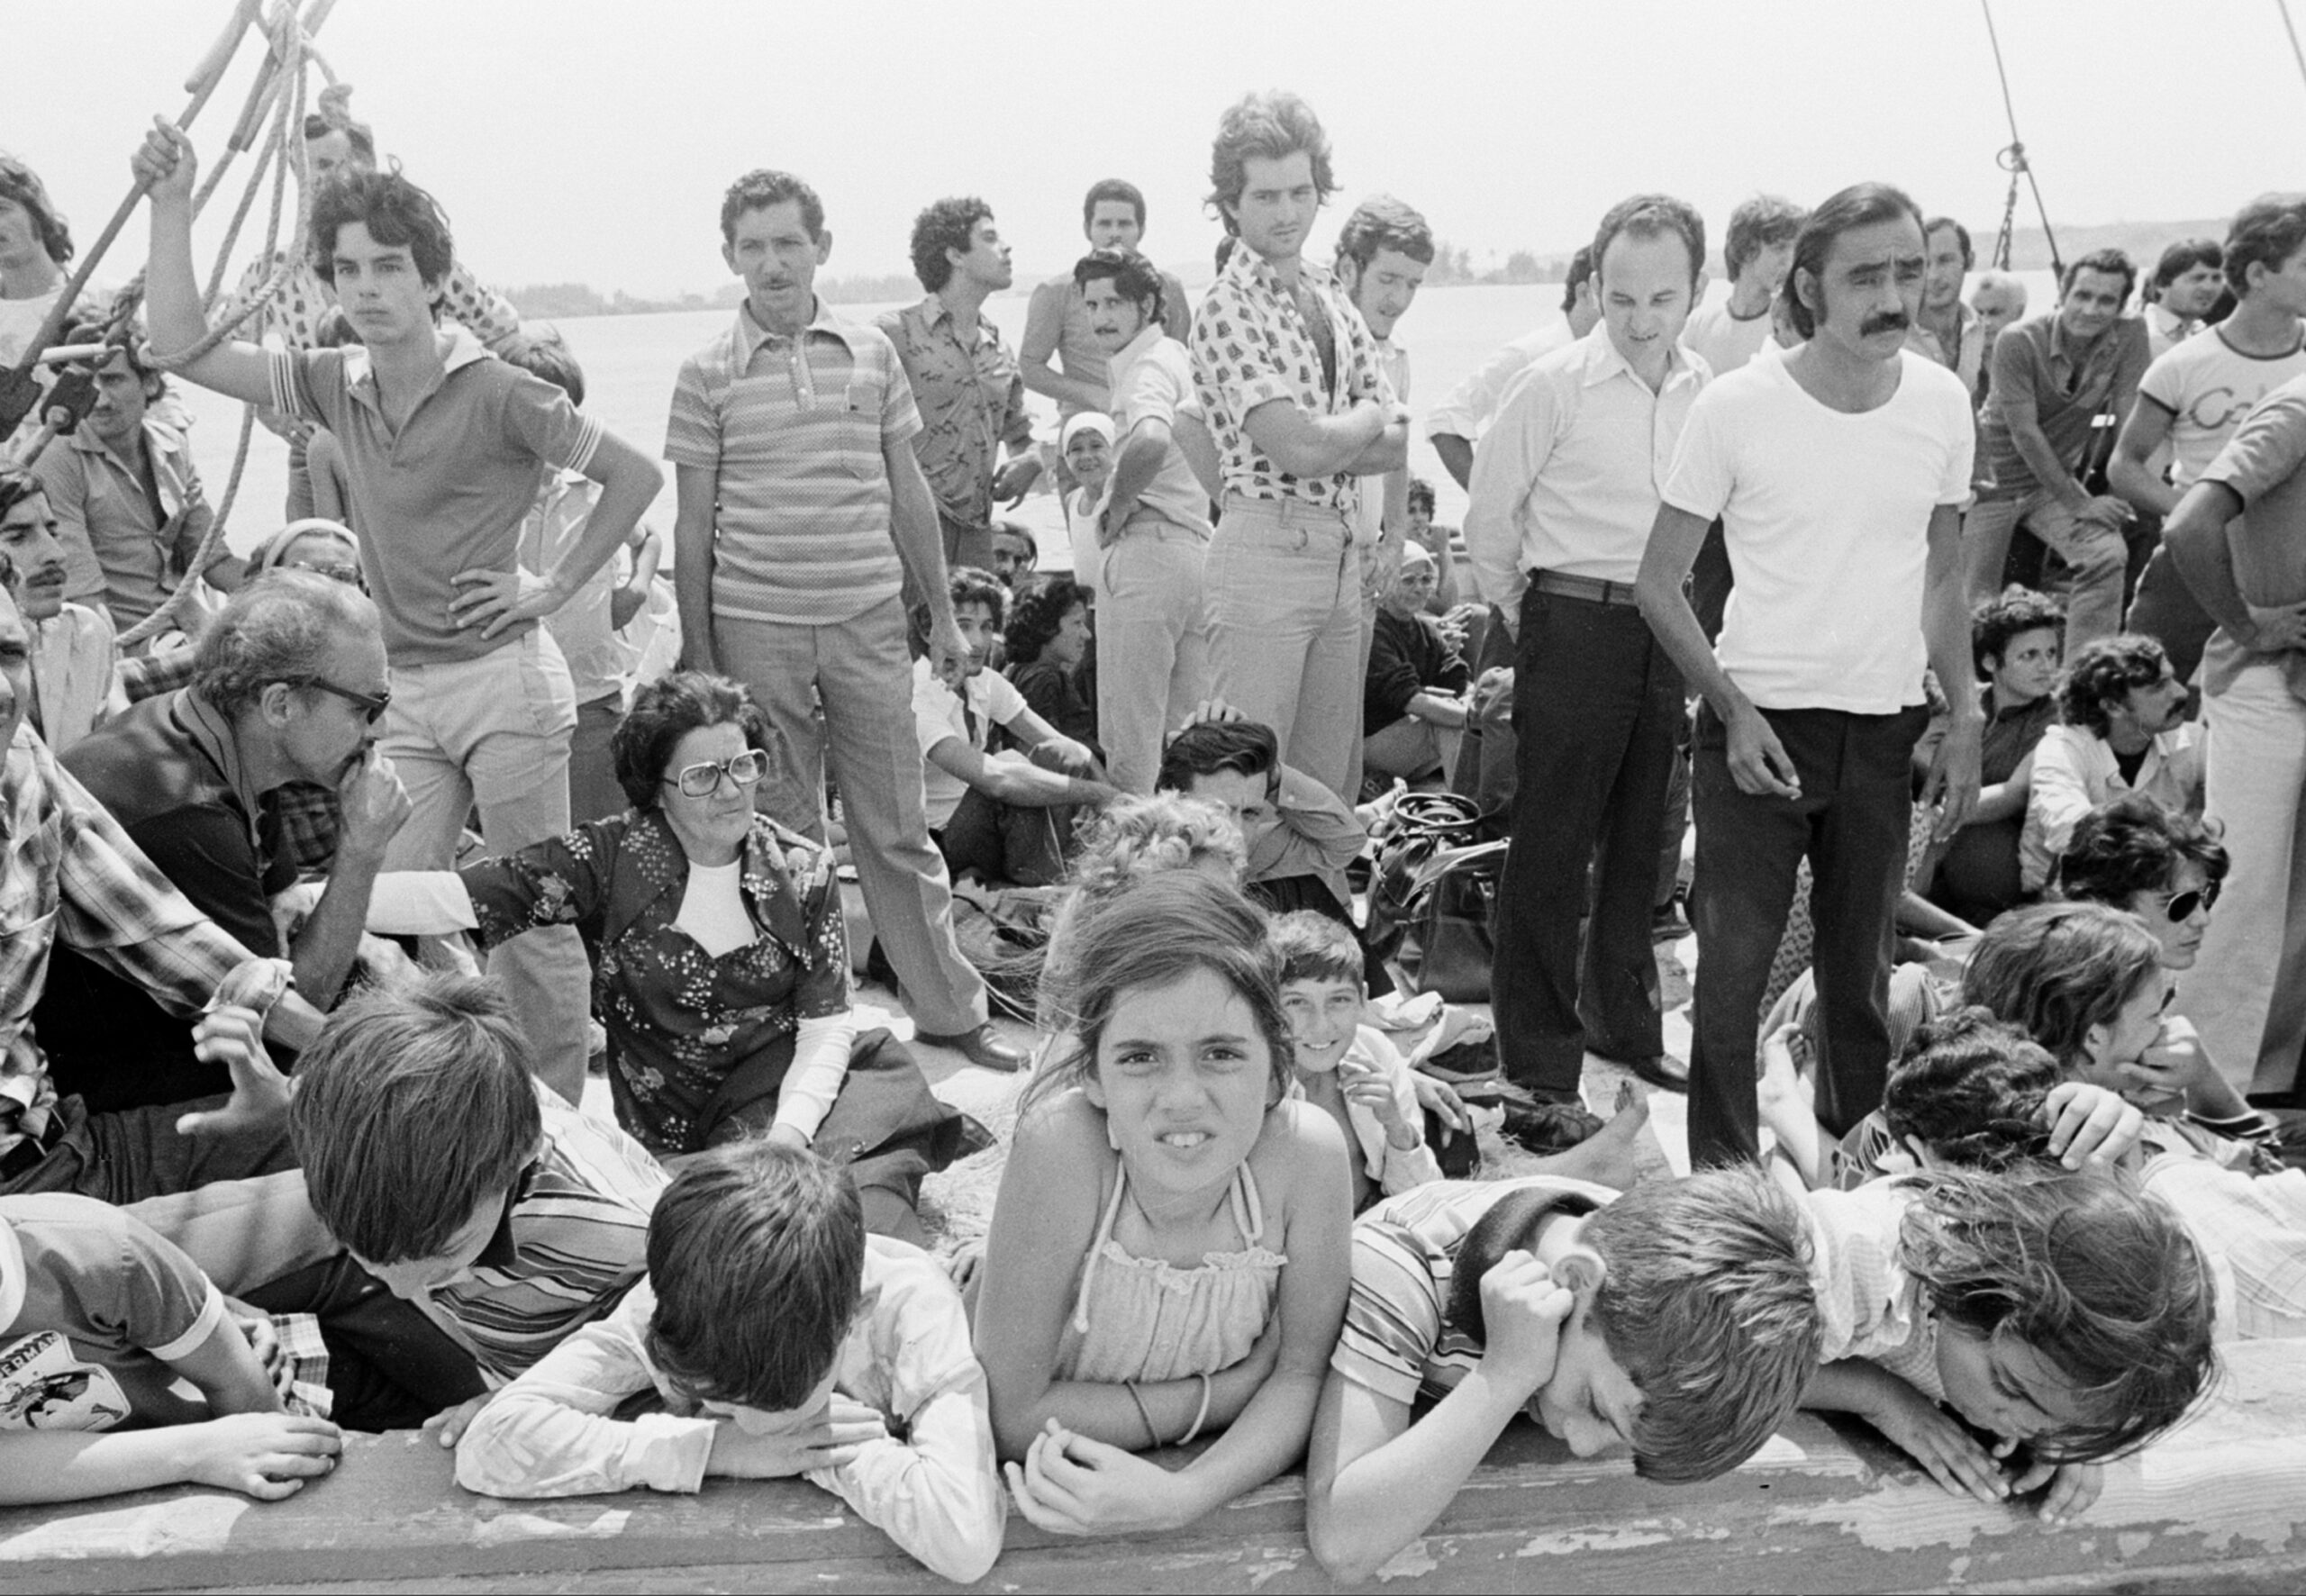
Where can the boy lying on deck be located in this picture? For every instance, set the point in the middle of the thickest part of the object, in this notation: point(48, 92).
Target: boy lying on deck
point(1679, 1319)
point(777, 1339)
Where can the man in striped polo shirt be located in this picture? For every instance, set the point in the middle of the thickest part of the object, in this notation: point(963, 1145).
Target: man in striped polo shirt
point(802, 510)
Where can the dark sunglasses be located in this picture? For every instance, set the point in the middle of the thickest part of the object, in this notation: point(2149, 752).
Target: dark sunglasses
point(2181, 906)
point(372, 705)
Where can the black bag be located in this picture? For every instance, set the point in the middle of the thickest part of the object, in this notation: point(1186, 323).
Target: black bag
point(1424, 823)
point(1447, 945)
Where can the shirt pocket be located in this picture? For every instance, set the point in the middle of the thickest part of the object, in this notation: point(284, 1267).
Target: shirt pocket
point(858, 437)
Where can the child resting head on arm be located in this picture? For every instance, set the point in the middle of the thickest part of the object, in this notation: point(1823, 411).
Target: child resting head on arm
point(1168, 1252)
point(778, 1340)
point(2064, 1313)
point(1678, 1320)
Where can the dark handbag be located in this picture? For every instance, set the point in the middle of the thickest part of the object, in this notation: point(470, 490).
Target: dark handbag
point(1424, 823)
point(1447, 945)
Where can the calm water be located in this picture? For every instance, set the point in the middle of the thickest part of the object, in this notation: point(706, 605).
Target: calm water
point(630, 361)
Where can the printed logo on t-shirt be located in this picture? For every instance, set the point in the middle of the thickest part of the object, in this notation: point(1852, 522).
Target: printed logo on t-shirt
point(44, 1385)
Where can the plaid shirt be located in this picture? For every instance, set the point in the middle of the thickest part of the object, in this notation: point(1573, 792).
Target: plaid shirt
point(1251, 346)
point(972, 400)
point(68, 871)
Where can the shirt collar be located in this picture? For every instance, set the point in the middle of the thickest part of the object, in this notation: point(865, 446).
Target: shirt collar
point(1600, 359)
point(1135, 350)
point(752, 334)
point(212, 734)
point(1250, 268)
point(464, 349)
point(768, 879)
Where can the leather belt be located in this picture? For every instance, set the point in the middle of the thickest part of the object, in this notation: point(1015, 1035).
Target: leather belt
point(1592, 589)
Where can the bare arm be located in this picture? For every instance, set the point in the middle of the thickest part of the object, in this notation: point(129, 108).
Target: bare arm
point(171, 290)
point(694, 488)
point(1139, 463)
point(267, 1456)
point(225, 1368)
point(2146, 431)
point(2195, 533)
point(920, 543)
point(632, 596)
point(374, 806)
point(1953, 781)
point(1027, 786)
point(1456, 457)
point(1323, 446)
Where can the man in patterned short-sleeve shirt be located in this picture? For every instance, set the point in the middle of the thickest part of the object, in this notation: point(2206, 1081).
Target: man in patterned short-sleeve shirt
point(1288, 375)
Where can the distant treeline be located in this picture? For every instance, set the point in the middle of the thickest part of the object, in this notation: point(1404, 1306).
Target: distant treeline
point(567, 300)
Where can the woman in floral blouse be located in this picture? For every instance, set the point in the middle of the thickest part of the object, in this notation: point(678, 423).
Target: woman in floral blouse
point(721, 960)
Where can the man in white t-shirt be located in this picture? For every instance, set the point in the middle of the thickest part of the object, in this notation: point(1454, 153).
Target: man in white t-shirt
point(2195, 393)
point(1007, 815)
point(1759, 249)
point(1455, 424)
point(1839, 472)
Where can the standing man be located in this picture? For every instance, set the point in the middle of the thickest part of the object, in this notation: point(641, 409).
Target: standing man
point(1565, 493)
point(802, 510)
point(1840, 472)
point(2057, 380)
point(2247, 994)
point(1289, 380)
point(1152, 534)
point(1756, 253)
point(1383, 251)
point(1455, 424)
point(1948, 331)
point(443, 444)
point(1057, 320)
point(964, 380)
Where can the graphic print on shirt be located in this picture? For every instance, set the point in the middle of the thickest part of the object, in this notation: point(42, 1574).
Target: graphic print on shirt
point(44, 1385)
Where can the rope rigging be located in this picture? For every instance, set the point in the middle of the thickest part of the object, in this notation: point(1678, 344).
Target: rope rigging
point(2011, 159)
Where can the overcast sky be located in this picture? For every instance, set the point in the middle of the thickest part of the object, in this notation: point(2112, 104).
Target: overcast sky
point(589, 140)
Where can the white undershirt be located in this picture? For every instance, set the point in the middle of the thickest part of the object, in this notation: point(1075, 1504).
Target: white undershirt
point(712, 909)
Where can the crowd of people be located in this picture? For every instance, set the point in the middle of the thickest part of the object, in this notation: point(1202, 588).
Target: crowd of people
point(1966, 647)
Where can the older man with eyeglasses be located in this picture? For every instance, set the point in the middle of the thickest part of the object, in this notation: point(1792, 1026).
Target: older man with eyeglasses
point(288, 687)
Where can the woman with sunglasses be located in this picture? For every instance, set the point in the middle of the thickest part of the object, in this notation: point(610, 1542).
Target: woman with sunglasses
point(720, 958)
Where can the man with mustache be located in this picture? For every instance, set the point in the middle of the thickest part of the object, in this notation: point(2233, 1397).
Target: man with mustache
point(2058, 382)
point(1839, 472)
point(289, 685)
point(1289, 378)
point(72, 649)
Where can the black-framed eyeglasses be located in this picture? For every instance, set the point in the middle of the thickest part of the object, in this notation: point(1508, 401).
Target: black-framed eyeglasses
point(2181, 906)
point(703, 779)
point(371, 704)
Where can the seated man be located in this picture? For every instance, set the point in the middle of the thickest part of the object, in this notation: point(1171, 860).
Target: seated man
point(2123, 731)
point(73, 648)
point(2014, 640)
point(1301, 836)
point(71, 877)
point(127, 495)
point(289, 683)
point(1413, 699)
point(1016, 553)
point(1007, 815)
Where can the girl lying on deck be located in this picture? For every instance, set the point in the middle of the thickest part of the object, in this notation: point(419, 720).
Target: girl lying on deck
point(1169, 1253)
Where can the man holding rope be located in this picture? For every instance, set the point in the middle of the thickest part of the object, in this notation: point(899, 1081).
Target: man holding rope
point(442, 445)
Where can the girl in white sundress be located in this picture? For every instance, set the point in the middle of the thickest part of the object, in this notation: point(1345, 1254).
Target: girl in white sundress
point(1171, 1248)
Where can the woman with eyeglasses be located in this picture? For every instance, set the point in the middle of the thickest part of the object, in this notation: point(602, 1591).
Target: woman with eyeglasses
point(316, 544)
point(720, 958)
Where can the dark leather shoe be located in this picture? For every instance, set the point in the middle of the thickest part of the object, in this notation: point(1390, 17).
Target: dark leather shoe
point(982, 1047)
point(1662, 1070)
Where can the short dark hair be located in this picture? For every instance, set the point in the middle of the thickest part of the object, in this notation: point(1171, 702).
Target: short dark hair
point(1268, 126)
point(1314, 948)
point(1961, 237)
point(2113, 263)
point(1581, 272)
point(971, 584)
point(1421, 492)
point(1381, 222)
point(413, 1107)
point(2056, 970)
point(2129, 845)
point(18, 485)
point(1861, 204)
point(2103, 672)
point(281, 626)
point(1651, 216)
point(358, 135)
point(1039, 610)
point(2179, 258)
point(1007, 528)
point(1705, 1302)
point(544, 353)
point(1246, 747)
point(2095, 1277)
point(1133, 277)
point(1756, 225)
point(92, 324)
point(946, 225)
point(2008, 615)
point(1113, 188)
point(395, 211)
point(1971, 1089)
point(741, 1227)
point(669, 708)
point(763, 187)
point(2265, 232)
point(19, 183)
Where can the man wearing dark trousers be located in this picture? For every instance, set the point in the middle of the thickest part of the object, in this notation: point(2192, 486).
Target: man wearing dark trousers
point(1838, 473)
point(1564, 492)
